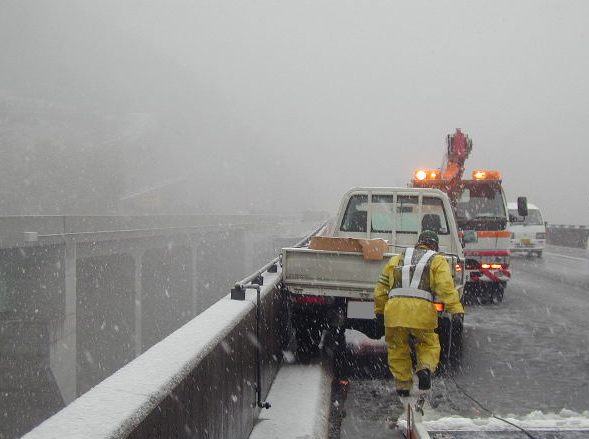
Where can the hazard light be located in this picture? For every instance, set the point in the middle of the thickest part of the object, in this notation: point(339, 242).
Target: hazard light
point(495, 266)
point(439, 306)
point(486, 175)
point(420, 175)
point(427, 174)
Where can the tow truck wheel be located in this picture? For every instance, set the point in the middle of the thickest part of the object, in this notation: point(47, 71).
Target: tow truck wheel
point(496, 293)
point(539, 253)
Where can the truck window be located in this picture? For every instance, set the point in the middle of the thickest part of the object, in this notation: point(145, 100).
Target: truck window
point(434, 218)
point(534, 217)
point(408, 221)
point(407, 214)
point(356, 215)
point(382, 213)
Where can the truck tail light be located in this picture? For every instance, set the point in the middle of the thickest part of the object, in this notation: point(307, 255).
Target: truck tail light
point(313, 300)
point(439, 306)
point(458, 267)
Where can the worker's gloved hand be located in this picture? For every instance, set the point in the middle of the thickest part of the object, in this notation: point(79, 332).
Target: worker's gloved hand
point(458, 318)
point(378, 326)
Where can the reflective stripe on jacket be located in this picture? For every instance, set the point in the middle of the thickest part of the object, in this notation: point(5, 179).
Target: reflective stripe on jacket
point(412, 277)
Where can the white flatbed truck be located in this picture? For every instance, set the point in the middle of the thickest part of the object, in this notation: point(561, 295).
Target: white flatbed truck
point(331, 286)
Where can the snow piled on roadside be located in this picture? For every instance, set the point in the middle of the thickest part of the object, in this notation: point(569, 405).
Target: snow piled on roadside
point(536, 420)
point(300, 398)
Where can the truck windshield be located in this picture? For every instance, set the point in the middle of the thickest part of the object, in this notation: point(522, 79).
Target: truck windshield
point(479, 202)
point(433, 216)
point(534, 217)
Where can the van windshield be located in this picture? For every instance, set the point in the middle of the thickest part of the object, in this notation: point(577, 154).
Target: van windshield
point(534, 217)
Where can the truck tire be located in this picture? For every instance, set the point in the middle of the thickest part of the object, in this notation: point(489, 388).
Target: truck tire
point(475, 293)
point(450, 335)
point(539, 253)
point(496, 293)
point(307, 335)
point(340, 359)
point(455, 356)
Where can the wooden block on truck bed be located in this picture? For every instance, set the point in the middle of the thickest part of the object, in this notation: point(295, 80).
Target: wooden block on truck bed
point(371, 249)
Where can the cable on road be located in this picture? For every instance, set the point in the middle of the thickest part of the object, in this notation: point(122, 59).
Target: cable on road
point(526, 432)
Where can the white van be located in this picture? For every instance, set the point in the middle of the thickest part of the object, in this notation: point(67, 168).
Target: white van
point(527, 234)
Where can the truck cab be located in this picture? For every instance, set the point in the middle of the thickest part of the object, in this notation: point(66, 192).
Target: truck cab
point(397, 216)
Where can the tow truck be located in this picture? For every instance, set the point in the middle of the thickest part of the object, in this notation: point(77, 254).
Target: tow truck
point(480, 208)
point(330, 280)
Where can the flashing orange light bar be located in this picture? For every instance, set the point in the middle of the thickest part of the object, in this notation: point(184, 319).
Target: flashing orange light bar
point(420, 175)
point(491, 265)
point(439, 306)
point(486, 175)
point(427, 174)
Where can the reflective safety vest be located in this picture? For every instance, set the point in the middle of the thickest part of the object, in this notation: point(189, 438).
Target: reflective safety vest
point(412, 278)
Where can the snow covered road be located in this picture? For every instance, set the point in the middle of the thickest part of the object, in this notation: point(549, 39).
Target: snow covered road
point(526, 358)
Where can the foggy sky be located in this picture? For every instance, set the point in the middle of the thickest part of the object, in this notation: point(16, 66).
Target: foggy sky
point(314, 97)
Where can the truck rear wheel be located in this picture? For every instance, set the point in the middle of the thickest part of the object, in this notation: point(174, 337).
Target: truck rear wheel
point(496, 291)
point(450, 335)
point(308, 331)
point(475, 293)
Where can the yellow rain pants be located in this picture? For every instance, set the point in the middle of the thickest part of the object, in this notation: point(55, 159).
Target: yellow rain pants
point(427, 349)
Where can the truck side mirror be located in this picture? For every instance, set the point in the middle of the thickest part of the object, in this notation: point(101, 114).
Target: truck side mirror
point(522, 206)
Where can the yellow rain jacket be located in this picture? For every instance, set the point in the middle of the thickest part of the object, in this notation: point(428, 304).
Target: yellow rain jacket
point(411, 312)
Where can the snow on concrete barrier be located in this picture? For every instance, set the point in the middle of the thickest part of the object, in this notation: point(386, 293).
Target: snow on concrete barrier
point(301, 398)
point(197, 382)
point(567, 236)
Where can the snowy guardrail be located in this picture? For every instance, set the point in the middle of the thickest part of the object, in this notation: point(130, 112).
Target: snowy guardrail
point(567, 236)
point(200, 381)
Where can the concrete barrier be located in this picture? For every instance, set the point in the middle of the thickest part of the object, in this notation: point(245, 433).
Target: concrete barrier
point(199, 382)
point(567, 236)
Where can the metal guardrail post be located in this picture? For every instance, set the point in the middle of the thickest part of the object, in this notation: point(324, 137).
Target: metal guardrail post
point(255, 281)
point(239, 290)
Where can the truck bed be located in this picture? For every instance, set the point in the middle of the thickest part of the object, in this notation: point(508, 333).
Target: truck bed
point(330, 273)
point(335, 273)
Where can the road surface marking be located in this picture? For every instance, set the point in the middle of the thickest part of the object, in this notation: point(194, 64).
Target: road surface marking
point(566, 257)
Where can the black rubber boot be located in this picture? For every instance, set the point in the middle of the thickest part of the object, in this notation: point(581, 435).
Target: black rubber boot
point(425, 379)
point(403, 393)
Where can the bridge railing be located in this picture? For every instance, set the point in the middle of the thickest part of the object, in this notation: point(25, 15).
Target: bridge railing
point(567, 236)
point(200, 381)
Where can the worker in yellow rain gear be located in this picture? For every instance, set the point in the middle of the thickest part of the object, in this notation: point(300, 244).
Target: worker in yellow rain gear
point(404, 306)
